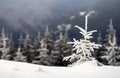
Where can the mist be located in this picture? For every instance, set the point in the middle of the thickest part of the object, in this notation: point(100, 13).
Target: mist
point(37, 12)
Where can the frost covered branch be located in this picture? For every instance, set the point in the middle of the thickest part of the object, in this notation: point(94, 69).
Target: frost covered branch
point(84, 47)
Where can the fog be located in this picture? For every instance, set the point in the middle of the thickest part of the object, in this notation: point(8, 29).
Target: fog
point(34, 12)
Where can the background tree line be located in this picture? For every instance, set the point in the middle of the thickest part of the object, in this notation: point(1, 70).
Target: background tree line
point(47, 51)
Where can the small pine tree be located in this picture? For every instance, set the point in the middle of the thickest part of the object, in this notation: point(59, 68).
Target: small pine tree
point(41, 55)
point(48, 40)
point(19, 54)
point(37, 42)
point(61, 50)
point(36, 45)
point(6, 47)
point(101, 51)
point(111, 46)
point(84, 46)
point(25, 51)
point(11, 48)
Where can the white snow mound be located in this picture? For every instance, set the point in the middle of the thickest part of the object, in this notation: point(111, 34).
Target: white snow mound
point(9, 69)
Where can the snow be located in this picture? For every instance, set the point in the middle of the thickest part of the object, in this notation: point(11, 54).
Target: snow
point(83, 47)
point(72, 17)
point(82, 13)
point(9, 69)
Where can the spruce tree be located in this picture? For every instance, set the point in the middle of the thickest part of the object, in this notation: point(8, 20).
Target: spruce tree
point(111, 46)
point(101, 51)
point(41, 54)
point(19, 53)
point(25, 50)
point(61, 50)
point(83, 47)
point(6, 47)
point(48, 40)
point(19, 56)
point(37, 41)
point(11, 48)
point(36, 45)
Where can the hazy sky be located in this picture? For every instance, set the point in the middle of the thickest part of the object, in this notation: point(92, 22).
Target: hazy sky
point(35, 11)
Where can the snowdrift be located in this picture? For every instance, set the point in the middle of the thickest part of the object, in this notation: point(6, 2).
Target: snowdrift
point(9, 69)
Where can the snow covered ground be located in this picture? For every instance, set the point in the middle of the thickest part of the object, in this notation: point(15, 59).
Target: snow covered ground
point(89, 69)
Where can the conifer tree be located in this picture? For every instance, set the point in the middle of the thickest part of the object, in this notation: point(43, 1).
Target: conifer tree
point(61, 49)
point(37, 42)
point(100, 52)
point(19, 53)
point(11, 48)
point(19, 56)
point(83, 47)
point(36, 45)
point(48, 40)
point(28, 51)
point(25, 50)
point(111, 46)
point(6, 47)
point(41, 54)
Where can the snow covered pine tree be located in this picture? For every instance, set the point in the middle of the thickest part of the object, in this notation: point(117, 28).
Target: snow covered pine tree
point(25, 52)
point(61, 49)
point(112, 55)
point(40, 52)
point(6, 47)
point(100, 51)
point(48, 40)
point(19, 54)
point(83, 47)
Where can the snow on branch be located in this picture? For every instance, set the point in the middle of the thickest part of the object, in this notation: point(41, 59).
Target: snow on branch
point(85, 33)
point(86, 18)
point(84, 47)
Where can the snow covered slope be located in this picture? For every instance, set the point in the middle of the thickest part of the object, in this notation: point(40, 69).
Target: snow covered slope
point(89, 69)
